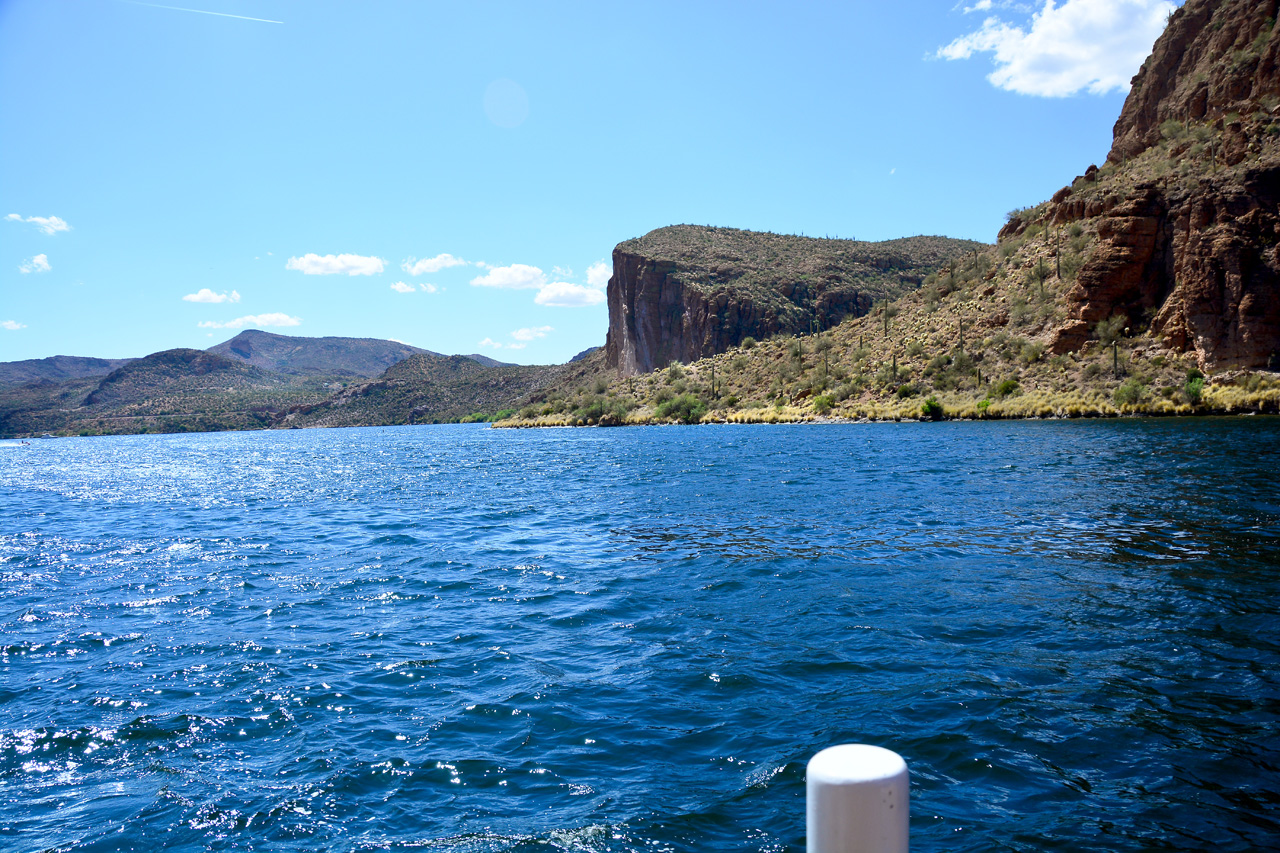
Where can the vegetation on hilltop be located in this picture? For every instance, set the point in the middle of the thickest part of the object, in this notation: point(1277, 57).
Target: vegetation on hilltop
point(434, 389)
point(171, 391)
point(972, 342)
point(783, 272)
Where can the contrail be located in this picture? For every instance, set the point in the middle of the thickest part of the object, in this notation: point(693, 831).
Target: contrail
point(202, 12)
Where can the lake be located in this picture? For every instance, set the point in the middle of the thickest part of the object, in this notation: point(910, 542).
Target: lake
point(455, 638)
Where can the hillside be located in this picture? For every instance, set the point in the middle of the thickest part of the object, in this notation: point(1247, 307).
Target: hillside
point(686, 291)
point(432, 389)
point(57, 368)
point(328, 356)
point(1150, 285)
point(172, 391)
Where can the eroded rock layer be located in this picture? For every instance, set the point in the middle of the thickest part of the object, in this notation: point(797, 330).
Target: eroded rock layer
point(1188, 220)
point(685, 292)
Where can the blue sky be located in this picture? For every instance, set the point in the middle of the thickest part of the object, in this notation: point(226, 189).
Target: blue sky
point(456, 175)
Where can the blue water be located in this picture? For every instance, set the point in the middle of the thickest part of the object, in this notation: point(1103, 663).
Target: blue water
point(465, 639)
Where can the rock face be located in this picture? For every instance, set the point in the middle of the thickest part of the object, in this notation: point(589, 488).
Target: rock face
point(685, 292)
point(1214, 57)
point(1188, 244)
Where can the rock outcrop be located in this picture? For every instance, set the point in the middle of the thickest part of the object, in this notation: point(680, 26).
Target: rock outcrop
point(1215, 57)
point(685, 292)
point(1188, 216)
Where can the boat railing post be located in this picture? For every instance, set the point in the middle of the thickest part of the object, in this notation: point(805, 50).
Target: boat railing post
point(856, 800)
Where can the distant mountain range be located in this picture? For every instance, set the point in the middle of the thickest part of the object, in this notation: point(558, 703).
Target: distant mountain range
point(56, 368)
point(290, 355)
point(257, 380)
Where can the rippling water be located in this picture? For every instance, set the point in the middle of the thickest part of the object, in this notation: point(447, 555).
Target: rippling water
point(463, 639)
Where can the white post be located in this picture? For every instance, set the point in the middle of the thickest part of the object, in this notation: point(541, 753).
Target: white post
point(856, 800)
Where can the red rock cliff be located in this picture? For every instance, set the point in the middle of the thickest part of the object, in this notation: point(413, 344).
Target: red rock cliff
point(685, 292)
point(1187, 210)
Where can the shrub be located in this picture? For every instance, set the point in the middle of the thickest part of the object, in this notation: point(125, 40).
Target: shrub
point(907, 390)
point(823, 403)
point(1007, 388)
point(748, 342)
point(685, 408)
point(1032, 351)
point(1172, 129)
point(1129, 394)
point(1109, 331)
point(931, 409)
point(674, 372)
point(1194, 389)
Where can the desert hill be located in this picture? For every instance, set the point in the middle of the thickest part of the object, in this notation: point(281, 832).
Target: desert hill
point(56, 368)
point(437, 389)
point(686, 291)
point(1150, 285)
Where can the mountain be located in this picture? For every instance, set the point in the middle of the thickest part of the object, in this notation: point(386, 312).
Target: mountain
point(171, 391)
point(686, 291)
point(428, 388)
point(1150, 285)
point(486, 361)
point(329, 356)
point(1186, 207)
point(56, 369)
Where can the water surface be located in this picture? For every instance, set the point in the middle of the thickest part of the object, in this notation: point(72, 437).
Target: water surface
point(463, 639)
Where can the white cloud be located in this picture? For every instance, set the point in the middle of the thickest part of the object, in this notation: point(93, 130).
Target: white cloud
point(313, 264)
point(413, 266)
point(489, 342)
point(11, 325)
point(260, 320)
point(204, 294)
point(598, 274)
point(47, 224)
point(40, 263)
point(429, 288)
point(980, 6)
point(532, 333)
point(562, 294)
point(1095, 45)
point(401, 287)
point(514, 277)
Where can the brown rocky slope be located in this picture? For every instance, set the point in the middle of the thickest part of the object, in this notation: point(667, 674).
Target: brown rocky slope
point(683, 292)
point(1187, 211)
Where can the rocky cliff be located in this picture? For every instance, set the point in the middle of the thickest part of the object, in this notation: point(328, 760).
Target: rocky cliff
point(684, 292)
point(1187, 208)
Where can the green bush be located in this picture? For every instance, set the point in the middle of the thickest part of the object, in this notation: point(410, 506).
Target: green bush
point(748, 342)
point(1032, 351)
point(823, 403)
point(1194, 389)
point(1109, 331)
point(931, 409)
point(1007, 388)
point(1129, 394)
point(685, 408)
